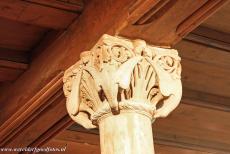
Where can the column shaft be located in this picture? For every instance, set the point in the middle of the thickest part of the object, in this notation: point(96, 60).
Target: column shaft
point(126, 133)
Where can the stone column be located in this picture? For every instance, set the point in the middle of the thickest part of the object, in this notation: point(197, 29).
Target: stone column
point(122, 86)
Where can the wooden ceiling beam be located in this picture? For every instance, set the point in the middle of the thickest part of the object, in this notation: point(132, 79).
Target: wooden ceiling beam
point(14, 55)
point(210, 37)
point(74, 6)
point(167, 25)
point(47, 40)
point(44, 14)
point(13, 65)
point(10, 70)
point(204, 99)
point(205, 69)
point(40, 113)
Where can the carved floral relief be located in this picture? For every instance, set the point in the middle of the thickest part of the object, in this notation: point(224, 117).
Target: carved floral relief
point(119, 75)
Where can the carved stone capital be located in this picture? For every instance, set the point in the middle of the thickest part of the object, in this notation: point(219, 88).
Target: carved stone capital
point(121, 75)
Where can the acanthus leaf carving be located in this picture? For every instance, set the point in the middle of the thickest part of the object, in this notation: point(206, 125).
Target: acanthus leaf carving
point(117, 75)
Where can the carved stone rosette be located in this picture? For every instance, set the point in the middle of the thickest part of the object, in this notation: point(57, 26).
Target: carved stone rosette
point(120, 75)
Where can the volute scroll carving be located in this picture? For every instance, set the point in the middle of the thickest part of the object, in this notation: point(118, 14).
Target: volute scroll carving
point(117, 75)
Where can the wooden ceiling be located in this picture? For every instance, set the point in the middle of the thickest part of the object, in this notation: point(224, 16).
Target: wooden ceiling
point(34, 51)
point(25, 25)
point(219, 21)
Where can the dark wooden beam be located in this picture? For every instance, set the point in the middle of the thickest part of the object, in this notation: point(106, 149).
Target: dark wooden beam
point(205, 69)
point(13, 65)
point(39, 13)
point(52, 132)
point(14, 55)
point(44, 43)
point(74, 6)
point(210, 37)
point(166, 24)
point(10, 70)
point(35, 115)
point(204, 99)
